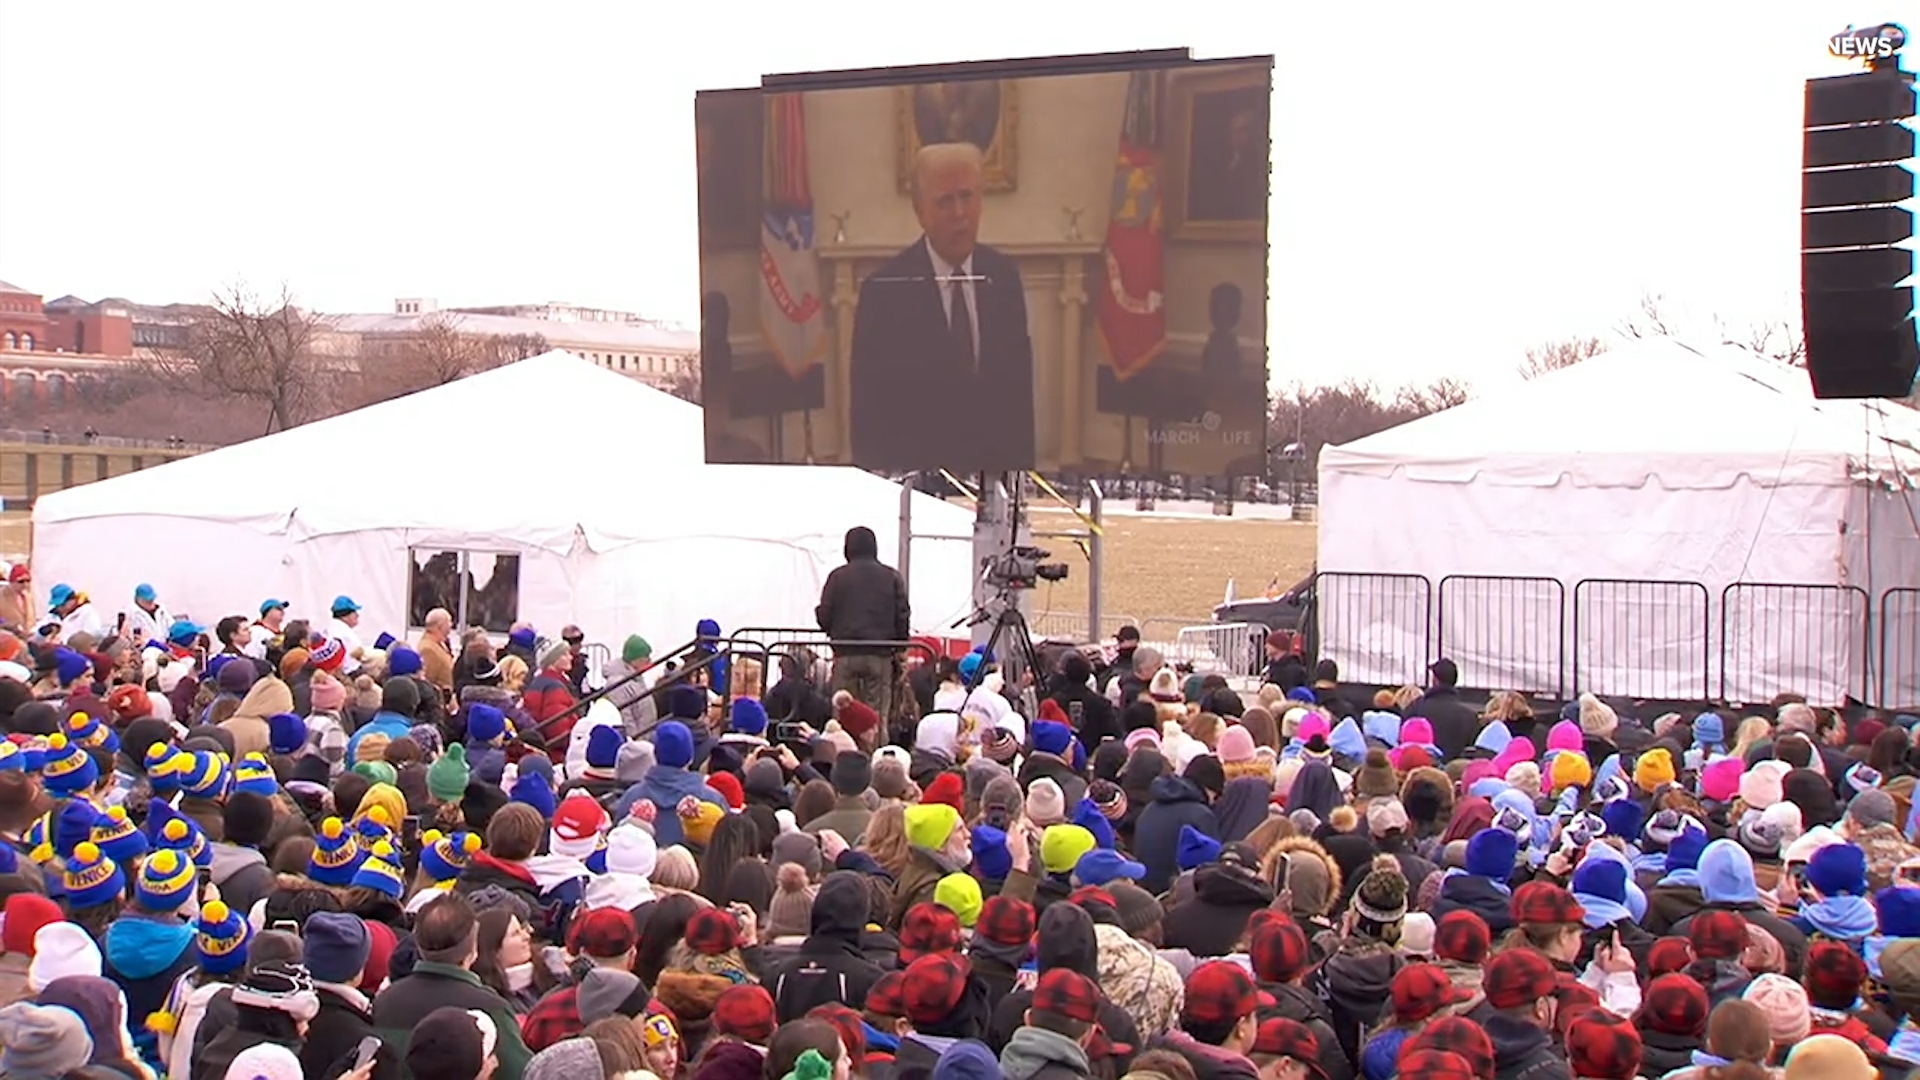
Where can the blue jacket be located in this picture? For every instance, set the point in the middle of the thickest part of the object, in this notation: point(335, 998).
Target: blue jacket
point(665, 786)
point(390, 724)
point(1176, 801)
point(144, 956)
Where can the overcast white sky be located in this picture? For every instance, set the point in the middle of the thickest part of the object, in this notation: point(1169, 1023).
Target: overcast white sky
point(1452, 182)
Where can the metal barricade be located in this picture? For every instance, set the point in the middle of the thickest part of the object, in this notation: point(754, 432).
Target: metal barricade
point(1504, 633)
point(1378, 627)
point(1900, 649)
point(1780, 638)
point(1224, 648)
point(1642, 638)
point(1072, 626)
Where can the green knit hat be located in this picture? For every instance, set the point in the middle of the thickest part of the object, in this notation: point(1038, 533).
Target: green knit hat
point(378, 771)
point(447, 776)
point(635, 649)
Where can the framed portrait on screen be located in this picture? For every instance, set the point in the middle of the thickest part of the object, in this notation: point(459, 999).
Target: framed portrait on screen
point(1219, 152)
point(984, 112)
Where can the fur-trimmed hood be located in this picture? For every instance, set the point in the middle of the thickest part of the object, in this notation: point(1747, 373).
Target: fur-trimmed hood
point(691, 996)
point(1299, 863)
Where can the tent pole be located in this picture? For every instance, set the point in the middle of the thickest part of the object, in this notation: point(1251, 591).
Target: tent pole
point(904, 561)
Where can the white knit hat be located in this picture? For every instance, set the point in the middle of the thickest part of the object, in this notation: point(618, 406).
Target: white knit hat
point(61, 949)
point(1761, 786)
point(1046, 803)
point(1416, 935)
point(631, 850)
point(1802, 849)
point(265, 1061)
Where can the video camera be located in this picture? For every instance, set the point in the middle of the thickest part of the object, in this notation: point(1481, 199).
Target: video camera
point(1021, 567)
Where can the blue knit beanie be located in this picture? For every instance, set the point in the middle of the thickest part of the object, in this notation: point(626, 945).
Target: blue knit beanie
point(1491, 854)
point(1051, 737)
point(402, 661)
point(1838, 870)
point(1602, 877)
point(673, 744)
point(1899, 909)
point(535, 792)
point(749, 717)
point(1684, 852)
point(286, 733)
point(1624, 819)
point(603, 746)
point(990, 854)
point(486, 725)
point(1195, 848)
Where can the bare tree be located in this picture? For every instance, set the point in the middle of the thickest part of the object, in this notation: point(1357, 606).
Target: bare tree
point(1777, 340)
point(684, 383)
point(437, 352)
point(1319, 416)
point(1653, 318)
point(256, 348)
point(1555, 355)
point(499, 350)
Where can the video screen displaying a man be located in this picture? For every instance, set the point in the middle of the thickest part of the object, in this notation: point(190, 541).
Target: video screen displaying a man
point(942, 364)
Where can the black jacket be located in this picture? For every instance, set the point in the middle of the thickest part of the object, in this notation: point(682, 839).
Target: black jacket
point(1356, 982)
point(830, 965)
point(1176, 801)
point(404, 1003)
point(1294, 1003)
point(1224, 898)
point(335, 1033)
point(1661, 1053)
point(904, 351)
point(212, 1063)
point(1455, 724)
point(1478, 895)
point(1792, 941)
point(1065, 939)
point(1522, 1051)
point(865, 600)
point(1097, 719)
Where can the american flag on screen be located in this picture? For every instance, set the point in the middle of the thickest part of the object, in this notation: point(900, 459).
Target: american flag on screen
point(792, 312)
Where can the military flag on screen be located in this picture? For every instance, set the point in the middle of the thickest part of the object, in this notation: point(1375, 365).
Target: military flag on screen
point(792, 312)
point(1131, 305)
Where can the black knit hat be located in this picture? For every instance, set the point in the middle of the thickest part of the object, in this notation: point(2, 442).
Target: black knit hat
point(852, 773)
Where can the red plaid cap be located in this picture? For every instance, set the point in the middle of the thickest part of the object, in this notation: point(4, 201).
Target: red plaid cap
point(885, 998)
point(745, 1012)
point(932, 985)
point(1435, 1065)
point(1602, 1046)
point(712, 931)
point(1543, 902)
point(1279, 951)
point(1005, 921)
point(1420, 990)
point(1516, 977)
point(1455, 1035)
point(604, 933)
point(926, 930)
point(1675, 1005)
point(1463, 937)
point(1093, 894)
point(1262, 917)
point(1834, 975)
point(1668, 955)
point(1067, 993)
point(1571, 998)
point(1718, 935)
point(851, 1026)
point(1101, 1045)
point(1280, 1037)
point(1219, 992)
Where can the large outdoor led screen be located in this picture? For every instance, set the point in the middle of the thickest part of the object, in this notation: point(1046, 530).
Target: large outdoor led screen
point(1052, 271)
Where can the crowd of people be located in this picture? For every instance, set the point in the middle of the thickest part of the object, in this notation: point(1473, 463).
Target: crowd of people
point(273, 850)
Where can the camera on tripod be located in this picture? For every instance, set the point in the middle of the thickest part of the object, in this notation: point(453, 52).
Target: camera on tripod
point(1021, 567)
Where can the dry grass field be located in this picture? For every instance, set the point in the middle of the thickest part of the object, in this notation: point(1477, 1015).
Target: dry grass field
point(1175, 567)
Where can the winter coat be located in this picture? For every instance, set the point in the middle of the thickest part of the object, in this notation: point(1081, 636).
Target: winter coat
point(1038, 1054)
point(1466, 892)
point(1667, 905)
point(1135, 978)
point(242, 874)
point(345, 1017)
point(1293, 1002)
point(864, 600)
point(483, 870)
point(1224, 898)
point(1177, 801)
point(213, 1062)
point(664, 787)
point(1076, 949)
point(830, 965)
point(1098, 721)
point(639, 713)
point(1522, 1051)
point(1792, 941)
point(248, 724)
point(849, 817)
point(1356, 982)
point(1661, 1053)
point(403, 1004)
point(1243, 807)
point(1072, 784)
point(1455, 724)
point(144, 956)
point(390, 724)
point(916, 884)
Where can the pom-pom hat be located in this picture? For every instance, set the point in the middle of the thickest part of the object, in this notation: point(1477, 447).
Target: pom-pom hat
point(220, 938)
point(84, 729)
point(252, 773)
point(443, 857)
point(165, 880)
point(380, 871)
point(336, 855)
point(69, 769)
point(168, 828)
point(115, 834)
point(206, 776)
point(92, 879)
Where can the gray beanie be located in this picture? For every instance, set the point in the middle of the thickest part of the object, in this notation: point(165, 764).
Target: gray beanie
point(42, 1040)
point(634, 761)
point(603, 991)
point(1872, 807)
point(1003, 793)
point(569, 1059)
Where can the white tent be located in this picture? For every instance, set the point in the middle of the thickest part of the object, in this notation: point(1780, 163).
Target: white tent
point(1630, 526)
point(595, 481)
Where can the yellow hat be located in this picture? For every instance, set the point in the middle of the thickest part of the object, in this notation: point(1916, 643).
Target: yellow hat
point(1062, 845)
point(960, 894)
point(1654, 770)
point(698, 820)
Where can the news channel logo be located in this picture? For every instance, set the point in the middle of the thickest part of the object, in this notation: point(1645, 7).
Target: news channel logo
point(1882, 42)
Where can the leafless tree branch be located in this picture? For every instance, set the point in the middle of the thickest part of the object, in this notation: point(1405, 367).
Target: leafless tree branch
point(1555, 355)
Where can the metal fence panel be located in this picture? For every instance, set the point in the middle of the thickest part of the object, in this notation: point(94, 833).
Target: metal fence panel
point(1504, 633)
point(1072, 626)
point(1900, 649)
point(1642, 639)
point(1378, 627)
point(1224, 648)
point(1778, 638)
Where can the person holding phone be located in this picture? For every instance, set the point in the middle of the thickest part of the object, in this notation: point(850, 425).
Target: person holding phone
point(335, 949)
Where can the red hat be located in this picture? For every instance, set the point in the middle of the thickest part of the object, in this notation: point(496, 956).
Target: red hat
point(1094, 894)
point(946, 789)
point(130, 702)
point(26, 914)
point(578, 817)
point(1005, 920)
point(927, 930)
point(381, 941)
point(1516, 977)
point(727, 786)
point(856, 717)
point(1051, 710)
point(744, 1012)
point(19, 573)
point(1463, 937)
point(1668, 955)
point(1834, 975)
point(1413, 757)
point(1065, 992)
point(1455, 1035)
point(885, 998)
point(1718, 935)
point(1219, 992)
point(712, 931)
point(1280, 1037)
point(1543, 903)
point(604, 933)
point(1420, 990)
point(932, 986)
point(1435, 1065)
point(851, 1026)
point(1602, 1046)
point(1675, 1005)
point(1279, 951)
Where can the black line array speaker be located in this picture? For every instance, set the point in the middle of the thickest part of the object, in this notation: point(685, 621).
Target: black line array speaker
point(1856, 299)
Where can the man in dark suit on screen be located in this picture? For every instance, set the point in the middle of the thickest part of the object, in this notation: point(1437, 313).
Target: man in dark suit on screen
point(942, 373)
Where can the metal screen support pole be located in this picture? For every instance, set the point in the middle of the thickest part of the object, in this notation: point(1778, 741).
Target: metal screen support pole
point(1096, 505)
point(904, 560)
point(994, 527)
